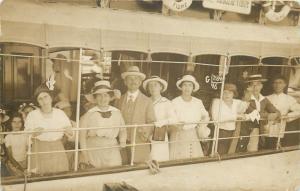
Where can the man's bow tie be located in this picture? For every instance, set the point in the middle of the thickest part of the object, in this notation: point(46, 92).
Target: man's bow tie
point(106, 114)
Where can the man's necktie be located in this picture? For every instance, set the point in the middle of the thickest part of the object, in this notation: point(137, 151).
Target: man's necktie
point(129, 115)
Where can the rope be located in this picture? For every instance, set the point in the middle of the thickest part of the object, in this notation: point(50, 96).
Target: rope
point(132, 126)
point(145, 61)
point(176, 141)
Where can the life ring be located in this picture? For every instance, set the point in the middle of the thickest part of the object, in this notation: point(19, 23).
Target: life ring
point(274, 16)
point(178, 5)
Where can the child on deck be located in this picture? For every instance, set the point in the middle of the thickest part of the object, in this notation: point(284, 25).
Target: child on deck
point(16, 145)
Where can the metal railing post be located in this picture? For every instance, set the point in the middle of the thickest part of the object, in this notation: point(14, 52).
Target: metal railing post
point(29, 155)
point(78, 113)
point(216, 132)
point(280, 132)
point(133, 146)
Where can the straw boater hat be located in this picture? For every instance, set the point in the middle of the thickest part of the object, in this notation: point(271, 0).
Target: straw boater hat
point(59, 57)
point(62, 105)
point(133, 71)
point(188, 78)
point(101, 86)
point(4, 115)
point(157, 79)
point(255, 78)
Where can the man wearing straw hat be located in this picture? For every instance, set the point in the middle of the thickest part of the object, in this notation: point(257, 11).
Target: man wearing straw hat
point(61, 77)
point(137, 109)
point(261, 111)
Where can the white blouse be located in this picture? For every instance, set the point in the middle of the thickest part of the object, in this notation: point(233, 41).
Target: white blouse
point(284, 103)
point(287, 105)
point(18, 144)
point(191, 112)
point(57, 120)
point(94, 119)
point(227, 113)
point(164, 111)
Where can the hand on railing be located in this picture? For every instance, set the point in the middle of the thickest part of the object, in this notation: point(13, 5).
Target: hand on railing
point(38, 132)
point(68, 132)
point(122, 144)
point(242, 117)
point(274, 117)
point(203, 131)
point(159, 124)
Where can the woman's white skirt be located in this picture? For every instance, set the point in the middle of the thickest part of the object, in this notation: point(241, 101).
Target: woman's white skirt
point(188, 146)
point(106, 157)
point(160, 150)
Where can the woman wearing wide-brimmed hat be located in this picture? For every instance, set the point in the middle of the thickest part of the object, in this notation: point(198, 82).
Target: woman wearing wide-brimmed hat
point(261, 110)
point(230, 109)
point(189, 110)
point(44, 118)
point(103, 116)
point(165, 116)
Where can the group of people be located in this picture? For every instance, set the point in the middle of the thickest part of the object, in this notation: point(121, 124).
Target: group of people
point(134, 128)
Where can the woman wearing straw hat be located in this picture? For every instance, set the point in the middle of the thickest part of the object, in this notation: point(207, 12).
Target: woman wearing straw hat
point(165, 115)
point(260, 110)
point(102, 116)
point(44, 118)
point(231, 110)
point(189, 110)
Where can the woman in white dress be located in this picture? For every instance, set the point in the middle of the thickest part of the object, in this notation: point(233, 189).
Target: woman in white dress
point(48, 118)
point(231, 110)
point(165, 116)
point(102, 115)
point(185, 142)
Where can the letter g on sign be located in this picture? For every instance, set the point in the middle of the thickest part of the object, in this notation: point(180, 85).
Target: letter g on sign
point(207, 79)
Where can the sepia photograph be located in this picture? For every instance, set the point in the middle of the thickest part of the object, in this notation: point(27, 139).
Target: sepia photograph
point(150, 95)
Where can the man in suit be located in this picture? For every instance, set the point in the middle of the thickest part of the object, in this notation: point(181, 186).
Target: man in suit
point(261, 111)
point(137, 109)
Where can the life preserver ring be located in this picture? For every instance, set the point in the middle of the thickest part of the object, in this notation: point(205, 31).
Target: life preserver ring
point(274, 16)
point(178, 5)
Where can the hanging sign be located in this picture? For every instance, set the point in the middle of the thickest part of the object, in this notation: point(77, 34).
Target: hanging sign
point(177, 5)
point(214, 80)
point(238, 6)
